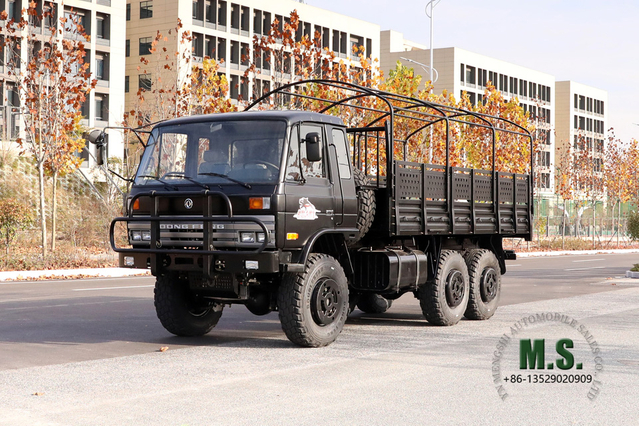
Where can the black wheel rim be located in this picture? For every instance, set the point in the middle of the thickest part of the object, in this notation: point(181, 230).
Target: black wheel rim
point(326, 301)
point(455, 288)
point(489, 285)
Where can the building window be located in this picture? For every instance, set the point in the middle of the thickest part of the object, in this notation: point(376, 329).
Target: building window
point(266, 22)
point(198, 10)
point(355, 43)
point(470, 75)
point(144, 81)
point(14, 10)
point(101, 107)
point(244, 20)
point(245, 55)
point(234, 89)
point(146, 9)
point(221, 14)
point(145, 45)
point(126, 84)
point(209, 11)
point(197, 44)
point(235, 52)
point(102, 26)
point(128, 11)
point(209, 46)
point(257, 21)
point(102, 66)
point(221, 49)
point(235, 18)
point(127, 48)
point(81, 16)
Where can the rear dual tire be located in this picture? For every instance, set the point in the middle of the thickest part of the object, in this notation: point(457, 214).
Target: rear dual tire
point(444, 300)
point(485, 284)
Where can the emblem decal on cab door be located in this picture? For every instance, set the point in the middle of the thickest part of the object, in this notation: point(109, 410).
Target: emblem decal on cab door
point(307, 210)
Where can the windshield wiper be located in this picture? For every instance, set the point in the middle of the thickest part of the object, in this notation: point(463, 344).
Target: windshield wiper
point(244, 184)
point(190, 179)
point(166, 184)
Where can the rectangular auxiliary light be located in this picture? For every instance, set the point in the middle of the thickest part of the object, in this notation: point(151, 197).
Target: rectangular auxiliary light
point(251, 264)
point(247, 237)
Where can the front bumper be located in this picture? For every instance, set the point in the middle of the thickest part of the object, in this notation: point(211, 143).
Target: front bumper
point(266, 262)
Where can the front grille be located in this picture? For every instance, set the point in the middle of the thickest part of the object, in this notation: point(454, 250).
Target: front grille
point(225, 235)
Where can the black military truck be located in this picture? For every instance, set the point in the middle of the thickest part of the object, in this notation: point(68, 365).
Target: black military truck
point(295, 212)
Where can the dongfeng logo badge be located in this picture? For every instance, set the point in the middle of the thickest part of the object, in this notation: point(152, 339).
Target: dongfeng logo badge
point(188, 203)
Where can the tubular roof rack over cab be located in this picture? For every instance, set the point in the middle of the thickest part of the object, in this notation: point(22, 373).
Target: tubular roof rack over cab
point(387, 109)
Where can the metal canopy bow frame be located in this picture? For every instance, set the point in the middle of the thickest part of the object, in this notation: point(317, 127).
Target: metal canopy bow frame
point(389, 108)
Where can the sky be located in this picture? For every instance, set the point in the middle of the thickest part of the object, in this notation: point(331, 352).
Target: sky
point(590, 42)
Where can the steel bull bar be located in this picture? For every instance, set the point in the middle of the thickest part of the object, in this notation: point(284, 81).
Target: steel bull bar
point(208, 255)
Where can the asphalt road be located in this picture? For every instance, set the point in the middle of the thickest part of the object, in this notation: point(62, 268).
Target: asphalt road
point(90, 348)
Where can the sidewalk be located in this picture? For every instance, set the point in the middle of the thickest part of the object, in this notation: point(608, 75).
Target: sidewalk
point(126, 272)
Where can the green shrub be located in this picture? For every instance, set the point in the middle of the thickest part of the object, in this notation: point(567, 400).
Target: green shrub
point(14, 216)
point(633, 225)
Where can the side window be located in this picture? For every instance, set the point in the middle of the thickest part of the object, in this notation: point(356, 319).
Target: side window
point(315, 169)
point(342, 153)
point(297, 155)
point(293, 156)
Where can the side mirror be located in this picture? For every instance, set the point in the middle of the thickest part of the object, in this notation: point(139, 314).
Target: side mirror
point(313, 147)
point(99, 139)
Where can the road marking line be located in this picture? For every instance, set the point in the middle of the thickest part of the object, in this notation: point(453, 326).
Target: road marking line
point(508, 265)
point(66, 305)
point(588, 260)
point(112, 288)
point(583, 269)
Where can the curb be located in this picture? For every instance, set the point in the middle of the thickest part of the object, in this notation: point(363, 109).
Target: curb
point(71, 274)
point(576, 252)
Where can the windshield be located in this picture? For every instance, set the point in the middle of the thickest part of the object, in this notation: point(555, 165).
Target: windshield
point(246, 151)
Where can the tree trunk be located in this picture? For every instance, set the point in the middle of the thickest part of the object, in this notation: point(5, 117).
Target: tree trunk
point(594, 222)
point(54, 210)
point(43, 217)
point(563, 226)
point(618, 223)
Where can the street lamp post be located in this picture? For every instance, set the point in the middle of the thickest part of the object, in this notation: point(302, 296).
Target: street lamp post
point(430, 70)
point(429, 12)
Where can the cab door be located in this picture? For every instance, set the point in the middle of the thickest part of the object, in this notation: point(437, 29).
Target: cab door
point(310, 197)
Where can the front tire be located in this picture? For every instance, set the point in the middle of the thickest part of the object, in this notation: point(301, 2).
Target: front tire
point(485, 284)
point(444, 300)
point(313, 305)
point(373, 303)
point(179, 312)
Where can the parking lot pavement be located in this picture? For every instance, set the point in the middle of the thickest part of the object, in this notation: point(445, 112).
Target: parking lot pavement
point(380, 371)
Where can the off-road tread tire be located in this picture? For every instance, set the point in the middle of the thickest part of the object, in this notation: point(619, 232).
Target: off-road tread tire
point(171, 307)
point(432, 297)
point(477, 260)
point(294, 312)
point(372, 303)
point(366, 204)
